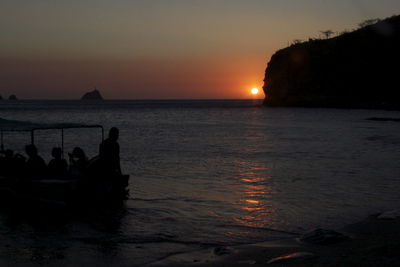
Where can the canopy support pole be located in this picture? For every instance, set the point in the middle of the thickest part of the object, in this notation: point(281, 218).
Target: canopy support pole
point(2, 143)
point(62, 142)
point(32, 137)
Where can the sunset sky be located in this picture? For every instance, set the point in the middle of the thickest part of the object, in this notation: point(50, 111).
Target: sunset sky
point(158, 49)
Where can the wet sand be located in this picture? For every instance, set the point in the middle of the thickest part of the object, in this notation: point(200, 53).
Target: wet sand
point(372, 242)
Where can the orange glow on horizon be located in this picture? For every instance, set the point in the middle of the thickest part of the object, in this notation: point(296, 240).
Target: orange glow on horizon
point(211, 78)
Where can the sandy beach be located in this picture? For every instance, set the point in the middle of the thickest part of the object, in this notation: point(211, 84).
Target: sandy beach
point(372, 242)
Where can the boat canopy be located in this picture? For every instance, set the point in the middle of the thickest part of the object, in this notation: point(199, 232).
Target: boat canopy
point(25, 126)
point(20, 126)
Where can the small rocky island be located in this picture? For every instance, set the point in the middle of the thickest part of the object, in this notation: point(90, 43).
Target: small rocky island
point(13, 97)
point(92, 95)
point(357, 69)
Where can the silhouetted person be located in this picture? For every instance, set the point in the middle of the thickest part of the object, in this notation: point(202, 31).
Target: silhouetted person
point(11, 164)
point(109, 153)
point(57, 166)
point(78, 161)
point(7, 163)
point(19, 165)
point(35, 165)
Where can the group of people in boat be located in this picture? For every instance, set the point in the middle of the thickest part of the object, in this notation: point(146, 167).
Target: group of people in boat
point(34, 167)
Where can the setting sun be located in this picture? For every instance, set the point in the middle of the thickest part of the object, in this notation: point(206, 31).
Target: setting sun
point(254, 91)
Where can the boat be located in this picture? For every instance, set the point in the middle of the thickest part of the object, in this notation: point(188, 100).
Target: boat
point(83, 190)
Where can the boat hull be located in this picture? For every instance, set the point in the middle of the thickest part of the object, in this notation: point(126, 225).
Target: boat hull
point(63, 193)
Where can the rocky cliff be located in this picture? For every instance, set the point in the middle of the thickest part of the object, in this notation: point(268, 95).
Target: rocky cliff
point(359, 69)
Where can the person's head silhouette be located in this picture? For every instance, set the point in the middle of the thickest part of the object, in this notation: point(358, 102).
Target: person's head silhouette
point(31, 150)
point(9, 153)
point(113, 134)
point(78, 153)
point(56, 152)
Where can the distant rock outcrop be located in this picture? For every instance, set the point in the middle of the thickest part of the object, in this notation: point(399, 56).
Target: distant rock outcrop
point(13, 97)
point(358, 69)
point(93, 95)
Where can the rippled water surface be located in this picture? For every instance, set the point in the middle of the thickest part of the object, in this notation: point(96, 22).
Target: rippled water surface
point(211, 172)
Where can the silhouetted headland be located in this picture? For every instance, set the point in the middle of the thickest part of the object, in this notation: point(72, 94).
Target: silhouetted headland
point(352, 70)
point(93, 95)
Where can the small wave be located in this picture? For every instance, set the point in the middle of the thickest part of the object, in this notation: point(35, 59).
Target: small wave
point(172, 199)
point(160, 239)
point(152, 199)
point(256, 228)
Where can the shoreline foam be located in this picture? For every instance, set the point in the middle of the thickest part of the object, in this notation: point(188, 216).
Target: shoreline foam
point(373, 241)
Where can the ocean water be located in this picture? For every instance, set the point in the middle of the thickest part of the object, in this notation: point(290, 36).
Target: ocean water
point(208, 173)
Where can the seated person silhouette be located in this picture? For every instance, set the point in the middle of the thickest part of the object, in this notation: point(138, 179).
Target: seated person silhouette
point(78, 161)
point(7, 163)
point(109, 153)
point(11, 165)
point(19, 162)
point(58, 166)
point(35, 165)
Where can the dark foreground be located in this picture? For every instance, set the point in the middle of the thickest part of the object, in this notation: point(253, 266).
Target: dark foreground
point(372, 242)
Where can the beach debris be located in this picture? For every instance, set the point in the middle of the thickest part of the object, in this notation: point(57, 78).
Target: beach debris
point(292, 256)
point(322, 237)
point(392, 214)
point(248, 262)
point(221, 251)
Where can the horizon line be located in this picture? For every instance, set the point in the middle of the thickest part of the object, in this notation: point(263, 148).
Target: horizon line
point(128, 99)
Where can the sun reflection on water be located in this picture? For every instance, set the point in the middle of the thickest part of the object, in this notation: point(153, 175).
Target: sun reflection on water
point(255, 193)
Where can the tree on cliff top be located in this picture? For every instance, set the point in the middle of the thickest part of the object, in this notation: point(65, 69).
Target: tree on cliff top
point(368, 22)
point(327, 33)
